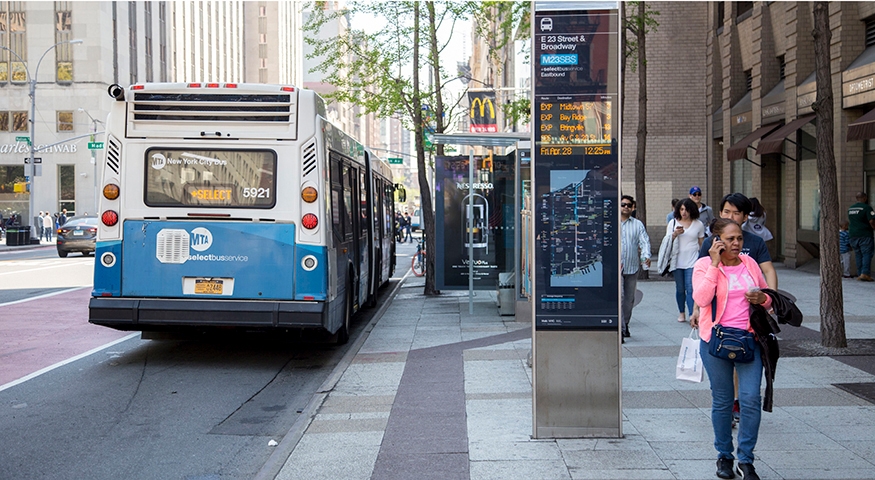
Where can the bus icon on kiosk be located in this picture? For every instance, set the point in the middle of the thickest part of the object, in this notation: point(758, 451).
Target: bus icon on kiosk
point(546, 24)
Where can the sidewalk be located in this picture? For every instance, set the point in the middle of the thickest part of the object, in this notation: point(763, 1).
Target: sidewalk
point(434, 392)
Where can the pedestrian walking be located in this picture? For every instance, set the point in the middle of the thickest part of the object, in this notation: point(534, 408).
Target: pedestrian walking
point(48, 226)
point(756, 221)
point(706, 215)
point(635, 250)
point(63, 218)
point(670, 215)
point(861, 225)
point(845, 249)
point(40, 229)
point(725, 285)
point(408, 224)
point(687, 233)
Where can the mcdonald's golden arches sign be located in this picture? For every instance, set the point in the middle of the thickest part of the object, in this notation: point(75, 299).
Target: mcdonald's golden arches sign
point(482, 112)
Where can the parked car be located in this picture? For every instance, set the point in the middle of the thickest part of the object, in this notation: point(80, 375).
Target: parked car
point(414, 220)
point(79, 234)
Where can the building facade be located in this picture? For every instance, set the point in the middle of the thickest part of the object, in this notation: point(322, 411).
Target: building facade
point(123, 43)
point(730, 89)
point(760, 85)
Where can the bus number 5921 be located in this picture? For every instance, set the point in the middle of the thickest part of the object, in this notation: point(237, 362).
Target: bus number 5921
point(256, 192)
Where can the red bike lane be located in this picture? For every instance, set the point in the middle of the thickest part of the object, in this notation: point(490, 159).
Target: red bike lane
point(44, 331)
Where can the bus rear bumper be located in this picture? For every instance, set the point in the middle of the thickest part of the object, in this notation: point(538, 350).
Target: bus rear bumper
point(141, 314)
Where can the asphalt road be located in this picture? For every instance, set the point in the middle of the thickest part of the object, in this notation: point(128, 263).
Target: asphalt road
point(202, 408)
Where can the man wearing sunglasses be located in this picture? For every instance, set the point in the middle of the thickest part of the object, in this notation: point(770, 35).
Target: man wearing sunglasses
point(706, 215)
point(635, 250)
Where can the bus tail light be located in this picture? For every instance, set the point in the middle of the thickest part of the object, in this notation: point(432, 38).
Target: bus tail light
point(310, 221)
point(109, 218)
point(110, 191)
point(309, 194)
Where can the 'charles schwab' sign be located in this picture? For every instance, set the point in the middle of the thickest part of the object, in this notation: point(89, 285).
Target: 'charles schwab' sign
point(19, 148)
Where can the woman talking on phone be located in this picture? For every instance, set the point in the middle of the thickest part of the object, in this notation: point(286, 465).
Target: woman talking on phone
point(688, 232)
point(725, 284)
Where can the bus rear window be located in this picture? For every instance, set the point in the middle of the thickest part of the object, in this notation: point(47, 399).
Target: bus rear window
point(210, 178)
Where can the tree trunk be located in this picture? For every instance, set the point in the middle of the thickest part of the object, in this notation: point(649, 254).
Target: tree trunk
point(622, 65)
point(832, 320)
point(426, 209)
point(641, 150)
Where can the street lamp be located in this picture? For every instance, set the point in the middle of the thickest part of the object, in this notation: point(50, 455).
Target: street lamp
point(31, 80)
point(94, 123)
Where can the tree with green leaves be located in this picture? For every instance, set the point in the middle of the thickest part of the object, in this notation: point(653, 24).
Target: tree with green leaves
point(638, 21)
point(832, 315)
point(380, 71)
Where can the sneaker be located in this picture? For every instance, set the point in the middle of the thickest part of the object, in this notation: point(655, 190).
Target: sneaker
point(746, 471)
point(724, 468)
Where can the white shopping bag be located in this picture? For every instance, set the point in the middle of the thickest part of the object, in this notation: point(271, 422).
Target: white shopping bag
point(689, 366)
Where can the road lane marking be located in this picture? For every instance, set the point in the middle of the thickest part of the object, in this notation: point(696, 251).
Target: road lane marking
point(65, 362)
point(45, 295)
point(18, 272)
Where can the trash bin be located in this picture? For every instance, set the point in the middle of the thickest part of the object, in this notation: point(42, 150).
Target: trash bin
point(24, 235)
point(506, 302)
point(11, 236)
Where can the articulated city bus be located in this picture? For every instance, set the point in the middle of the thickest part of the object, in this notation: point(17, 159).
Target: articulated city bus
point(236, 205)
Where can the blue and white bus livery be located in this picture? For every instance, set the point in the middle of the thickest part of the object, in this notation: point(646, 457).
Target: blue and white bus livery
point(236, 205)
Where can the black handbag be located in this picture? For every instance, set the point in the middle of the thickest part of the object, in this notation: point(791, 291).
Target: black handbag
point(732, 344)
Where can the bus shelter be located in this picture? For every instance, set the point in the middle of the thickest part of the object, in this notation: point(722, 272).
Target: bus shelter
point(478, 199)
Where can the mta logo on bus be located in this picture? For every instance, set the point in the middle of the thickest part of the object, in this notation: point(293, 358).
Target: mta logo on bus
point(201, 239)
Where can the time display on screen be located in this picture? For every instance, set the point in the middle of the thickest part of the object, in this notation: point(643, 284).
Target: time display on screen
point(568, 121)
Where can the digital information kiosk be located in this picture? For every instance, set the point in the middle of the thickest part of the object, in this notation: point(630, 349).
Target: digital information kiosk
point(575, 151)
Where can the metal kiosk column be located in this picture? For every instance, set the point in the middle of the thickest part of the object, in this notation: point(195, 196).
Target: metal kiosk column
point(576, 317)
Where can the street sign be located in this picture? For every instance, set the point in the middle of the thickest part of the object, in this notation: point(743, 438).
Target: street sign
point(35, 160)
point(23, 139)
point(396, 161)
point(95, 145)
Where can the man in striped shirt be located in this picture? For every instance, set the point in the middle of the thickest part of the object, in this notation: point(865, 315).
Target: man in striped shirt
point(635, 250)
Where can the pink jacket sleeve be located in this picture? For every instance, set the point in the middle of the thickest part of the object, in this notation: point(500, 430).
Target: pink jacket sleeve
point(704, 281)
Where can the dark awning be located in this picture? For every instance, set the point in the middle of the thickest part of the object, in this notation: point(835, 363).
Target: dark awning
point(863, 128)
point(774, 143)
point(739, 150)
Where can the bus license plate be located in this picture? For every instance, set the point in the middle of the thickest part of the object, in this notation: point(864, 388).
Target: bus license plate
point(208, 287)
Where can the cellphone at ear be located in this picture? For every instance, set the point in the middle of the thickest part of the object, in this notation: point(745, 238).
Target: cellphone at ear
point(717, 239)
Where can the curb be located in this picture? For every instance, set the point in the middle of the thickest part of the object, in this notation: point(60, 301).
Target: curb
point(283, 451)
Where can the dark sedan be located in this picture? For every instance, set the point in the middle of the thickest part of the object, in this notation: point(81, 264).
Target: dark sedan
point(79, 234)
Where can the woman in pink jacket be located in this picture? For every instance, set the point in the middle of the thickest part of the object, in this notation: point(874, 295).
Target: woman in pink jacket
point(725, 284)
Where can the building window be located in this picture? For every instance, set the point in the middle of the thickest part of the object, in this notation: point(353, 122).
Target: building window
point(67, 188)
point(13, 35)
point(4, 121)
point(870, 31)
point(743, 10)
point(147, 20)
point(809, 182)
point(742, 176)
point(65, 121)
point(162, 46)
point(64, 33)
point(721, 16)
point(132, 40)
point(782, 64)
point(19, 122)
point(748, 80)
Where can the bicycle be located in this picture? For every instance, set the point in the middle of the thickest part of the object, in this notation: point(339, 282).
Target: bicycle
point(418, 262)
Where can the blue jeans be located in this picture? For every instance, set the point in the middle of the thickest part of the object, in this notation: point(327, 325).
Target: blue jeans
point(683, 283)
point(862, 253)
point(750, 376)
